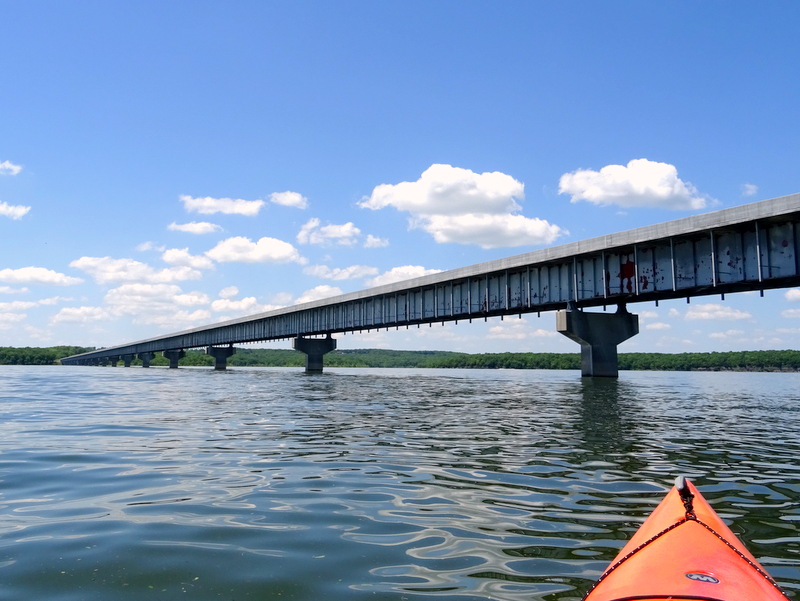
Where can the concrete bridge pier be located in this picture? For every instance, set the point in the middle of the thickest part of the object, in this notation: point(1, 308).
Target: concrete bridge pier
point(174, 355)
point(113, 360)
point(127, 359)
point(598, 334)
point(220, 354)
point(146, 358)
point(314, 349)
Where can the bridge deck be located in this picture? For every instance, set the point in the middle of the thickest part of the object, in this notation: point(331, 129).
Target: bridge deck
point(751, 247)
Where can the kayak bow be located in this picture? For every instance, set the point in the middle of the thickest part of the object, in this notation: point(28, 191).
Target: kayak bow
point(685, 552)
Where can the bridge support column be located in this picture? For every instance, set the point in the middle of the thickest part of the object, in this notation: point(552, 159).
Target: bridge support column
point(314, 349)
point(146, 358)
point(174, 356)
point(113, 360)
point(220, 354)
point(598, 334)
point(126, 360)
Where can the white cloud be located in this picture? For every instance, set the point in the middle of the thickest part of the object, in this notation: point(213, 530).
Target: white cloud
point(13, 211)
point(229, 292)
point(727, 335)
point(458, 205)
point(791, 313)
point(229, 206)
point(792, 295)
point(749, 189)
point(7, 320)
point(37, 275)
point(157, 304)
point(490, 231)
point(640, 183)
point(10, 290)
point(146, 246)
point(181, 256)
point(80, 315)
point(313, 233)
point(340, 273)
point(245, 306)
point(17, 306)
point(518, 329)
point(106, 270)
point(398, 274)
point(375, 242)
point(715, 312)
point(317, 293)
point(9, 168)
point(194, 227)
point(266, 250)
point(657, 326)
point(289, 199)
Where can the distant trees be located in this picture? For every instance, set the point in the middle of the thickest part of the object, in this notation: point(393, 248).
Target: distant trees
point(784, 360)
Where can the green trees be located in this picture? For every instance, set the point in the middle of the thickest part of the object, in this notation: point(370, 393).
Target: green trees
point(783, 360)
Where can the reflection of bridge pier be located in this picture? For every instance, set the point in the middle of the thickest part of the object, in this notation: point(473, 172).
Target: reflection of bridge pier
point(598, 334)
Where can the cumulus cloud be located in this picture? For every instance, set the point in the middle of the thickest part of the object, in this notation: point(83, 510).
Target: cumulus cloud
point(317, 293)
point(10, 290)
point(375, 242)
point(265, 250)
point(458, 205)
point(7, 320)
point(9, 168)
point(340, 273)
point(182, 257)
point(656, 326)
point(715, 312)
point(106, 270)
point(289, 199)
point(158, 304)
point(791, 313)
point(37, 275)
point(749, 189)
point(245, 306)
point(398, 274)
point(640, 183)
point(792, 295)
point(13, 211)
point(194, 227)
point(229, 206)
point(727, 335)
point(518, 329)
point(313, 233)
point(229, 292)
point(80, 315)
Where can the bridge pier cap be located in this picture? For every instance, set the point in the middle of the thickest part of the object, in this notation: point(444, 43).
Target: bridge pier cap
point(220, 354)
point(314, 349)
point(598, 334)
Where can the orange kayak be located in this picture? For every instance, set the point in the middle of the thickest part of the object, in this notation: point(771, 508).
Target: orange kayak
point(685, 552)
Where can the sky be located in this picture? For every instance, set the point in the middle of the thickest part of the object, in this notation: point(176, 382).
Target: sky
point(169, 165)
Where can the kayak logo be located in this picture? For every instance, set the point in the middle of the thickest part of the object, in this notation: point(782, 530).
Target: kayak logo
point(701, 577)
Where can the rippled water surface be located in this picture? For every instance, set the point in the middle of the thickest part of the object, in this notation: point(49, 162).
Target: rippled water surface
point(373, 484)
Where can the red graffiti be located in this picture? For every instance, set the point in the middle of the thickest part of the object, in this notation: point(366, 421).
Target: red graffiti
point(627, 272)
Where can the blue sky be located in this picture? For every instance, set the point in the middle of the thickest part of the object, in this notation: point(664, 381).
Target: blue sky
point(166, 165)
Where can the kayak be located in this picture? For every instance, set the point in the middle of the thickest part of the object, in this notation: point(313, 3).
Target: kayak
point(684, 552)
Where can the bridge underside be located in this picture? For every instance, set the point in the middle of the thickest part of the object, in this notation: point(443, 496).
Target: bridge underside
point(754, 247)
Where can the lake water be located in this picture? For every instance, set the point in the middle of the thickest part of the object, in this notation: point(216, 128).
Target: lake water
point(373, 484)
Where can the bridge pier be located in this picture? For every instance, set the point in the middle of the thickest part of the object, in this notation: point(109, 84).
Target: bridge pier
point(598, 334)
point(174, 355)
point(220, 354)
point(314, 349)
point(127, 359)
point(113, 360)
point(146, 358)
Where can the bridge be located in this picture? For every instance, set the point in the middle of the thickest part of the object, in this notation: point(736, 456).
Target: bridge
point(745, 248)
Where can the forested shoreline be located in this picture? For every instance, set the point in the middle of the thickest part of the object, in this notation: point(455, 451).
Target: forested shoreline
point(783, 360)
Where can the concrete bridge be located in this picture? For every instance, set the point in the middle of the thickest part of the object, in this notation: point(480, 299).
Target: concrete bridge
point(751, 247)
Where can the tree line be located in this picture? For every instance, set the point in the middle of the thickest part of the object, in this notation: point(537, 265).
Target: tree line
point(784, 360)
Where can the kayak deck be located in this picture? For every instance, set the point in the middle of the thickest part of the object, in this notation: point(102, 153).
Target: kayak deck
point(684, 552)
